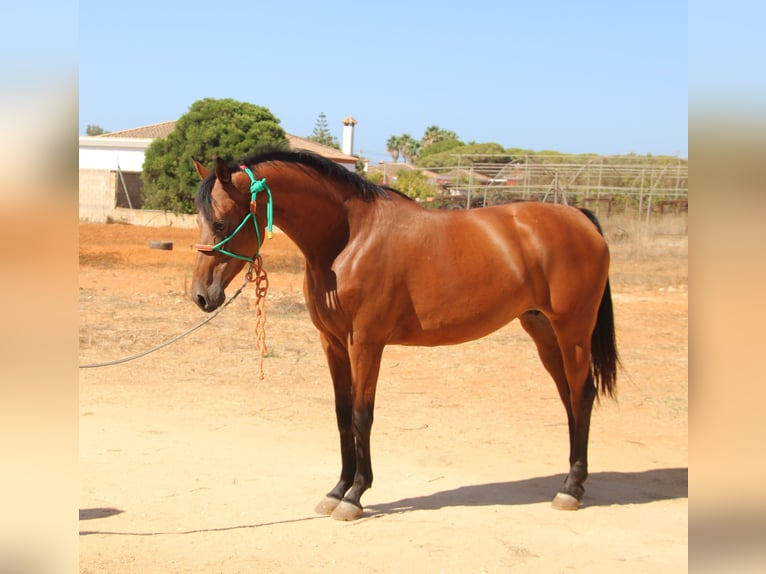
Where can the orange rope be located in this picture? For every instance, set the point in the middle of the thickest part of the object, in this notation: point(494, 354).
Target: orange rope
point(258, 276)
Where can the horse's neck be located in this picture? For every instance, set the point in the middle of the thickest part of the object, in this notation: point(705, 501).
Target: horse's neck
point(313, 217)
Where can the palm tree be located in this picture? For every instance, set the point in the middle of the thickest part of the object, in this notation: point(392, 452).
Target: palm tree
point(435, 134)
point(414, 152)
point(431, 136)
point(393, 146)
point(409, 147)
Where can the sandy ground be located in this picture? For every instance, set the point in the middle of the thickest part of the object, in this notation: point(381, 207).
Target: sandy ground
point(190, 463)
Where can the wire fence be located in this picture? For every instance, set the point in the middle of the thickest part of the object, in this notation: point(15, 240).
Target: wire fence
point(638, 185)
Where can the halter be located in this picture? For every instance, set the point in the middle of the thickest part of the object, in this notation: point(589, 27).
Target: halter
point(256, 186)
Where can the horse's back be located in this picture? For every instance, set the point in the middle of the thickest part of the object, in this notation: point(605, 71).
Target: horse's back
point(533, 235)
point(543, 219)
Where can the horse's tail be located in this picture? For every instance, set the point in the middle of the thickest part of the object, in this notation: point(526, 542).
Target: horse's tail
point(604, 359)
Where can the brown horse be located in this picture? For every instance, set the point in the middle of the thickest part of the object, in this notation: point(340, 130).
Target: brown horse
point(382, 270)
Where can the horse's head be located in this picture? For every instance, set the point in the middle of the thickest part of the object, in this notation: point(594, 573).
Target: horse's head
point(229, 231)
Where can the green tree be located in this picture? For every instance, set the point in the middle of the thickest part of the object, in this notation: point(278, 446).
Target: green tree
point(322, 134)
point(375, 177)
point(211, 128)
point(361, 164)
point(434, 135)
point(94, 130)
point(409, 147)
point(479, 152)
point(414, 183)
point(448, 145)
point(393, 146)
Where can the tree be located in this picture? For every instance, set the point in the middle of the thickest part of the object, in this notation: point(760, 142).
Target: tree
point(409, 147)
point(361, 164)
point(484, 153)
point(414, 183)
point(392, 146)
point(435, 134)
point(322, 134)
point(94, 130)
point(452, 145)
point(211, 128)
point(375, 177)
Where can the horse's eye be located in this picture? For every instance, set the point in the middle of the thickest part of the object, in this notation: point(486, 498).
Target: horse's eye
point(218, 227)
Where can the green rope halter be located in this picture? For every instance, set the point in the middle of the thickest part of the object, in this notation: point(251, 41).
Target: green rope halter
point(256, 186)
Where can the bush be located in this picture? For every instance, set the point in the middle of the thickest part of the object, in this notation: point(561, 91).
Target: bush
point(211, 128)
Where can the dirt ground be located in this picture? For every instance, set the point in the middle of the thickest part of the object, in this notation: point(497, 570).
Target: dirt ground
point(190, 463)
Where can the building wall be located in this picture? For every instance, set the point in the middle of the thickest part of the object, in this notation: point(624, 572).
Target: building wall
point(151, 218)
point(111, 155)
point(97, 197)
point(102, 193)
point(101, 187)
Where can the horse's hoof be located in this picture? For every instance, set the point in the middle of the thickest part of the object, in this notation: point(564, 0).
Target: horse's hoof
point(564, 501)
point(346, 511)
point(327, 505)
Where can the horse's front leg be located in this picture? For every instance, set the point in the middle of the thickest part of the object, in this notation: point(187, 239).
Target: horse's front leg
point(340, 371)
point(365, 367)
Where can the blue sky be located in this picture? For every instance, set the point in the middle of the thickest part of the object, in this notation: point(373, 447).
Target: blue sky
point(577, 77)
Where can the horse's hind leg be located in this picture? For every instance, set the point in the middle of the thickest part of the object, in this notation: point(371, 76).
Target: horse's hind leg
point(539, 328)
point(577, 399)
point(575, 345)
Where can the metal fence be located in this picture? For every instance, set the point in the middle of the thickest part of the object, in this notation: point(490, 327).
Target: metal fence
point(640, 185)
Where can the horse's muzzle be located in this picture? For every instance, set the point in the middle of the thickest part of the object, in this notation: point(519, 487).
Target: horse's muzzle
point(206, 301)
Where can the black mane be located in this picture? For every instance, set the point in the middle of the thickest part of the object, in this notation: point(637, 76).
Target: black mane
point(365, 189)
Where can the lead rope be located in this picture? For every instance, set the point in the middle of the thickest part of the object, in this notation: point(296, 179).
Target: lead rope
point(257, 275)
point(174, 339)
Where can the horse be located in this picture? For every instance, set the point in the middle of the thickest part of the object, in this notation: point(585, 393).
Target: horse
point(381, 269)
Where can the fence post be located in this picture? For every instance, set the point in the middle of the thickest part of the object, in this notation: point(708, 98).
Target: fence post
point(124, 187)
point(641, 195)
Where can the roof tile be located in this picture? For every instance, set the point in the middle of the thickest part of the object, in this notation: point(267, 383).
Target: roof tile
point(163, 129)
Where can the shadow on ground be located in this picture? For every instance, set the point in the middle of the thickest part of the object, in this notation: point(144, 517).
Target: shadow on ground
point(602, 489)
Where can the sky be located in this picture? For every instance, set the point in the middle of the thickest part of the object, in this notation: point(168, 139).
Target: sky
point(600, 77)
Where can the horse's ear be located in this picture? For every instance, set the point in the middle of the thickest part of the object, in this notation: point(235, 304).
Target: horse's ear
point(201, 169)
point(222, 171)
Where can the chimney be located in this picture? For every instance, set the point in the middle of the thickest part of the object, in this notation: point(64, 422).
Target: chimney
point(347, 145)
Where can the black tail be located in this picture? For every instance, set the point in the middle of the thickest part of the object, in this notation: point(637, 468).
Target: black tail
point(604, 359)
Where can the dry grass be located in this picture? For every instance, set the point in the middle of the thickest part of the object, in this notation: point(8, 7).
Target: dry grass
point(102, 259)
point(650, 254)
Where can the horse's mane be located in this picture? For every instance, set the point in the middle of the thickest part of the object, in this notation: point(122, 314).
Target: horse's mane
point(363, 187)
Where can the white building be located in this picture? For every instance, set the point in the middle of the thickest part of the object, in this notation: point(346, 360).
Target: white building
point(111, 165)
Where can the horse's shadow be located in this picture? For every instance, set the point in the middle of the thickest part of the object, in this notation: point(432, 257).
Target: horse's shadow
point(603, 489)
